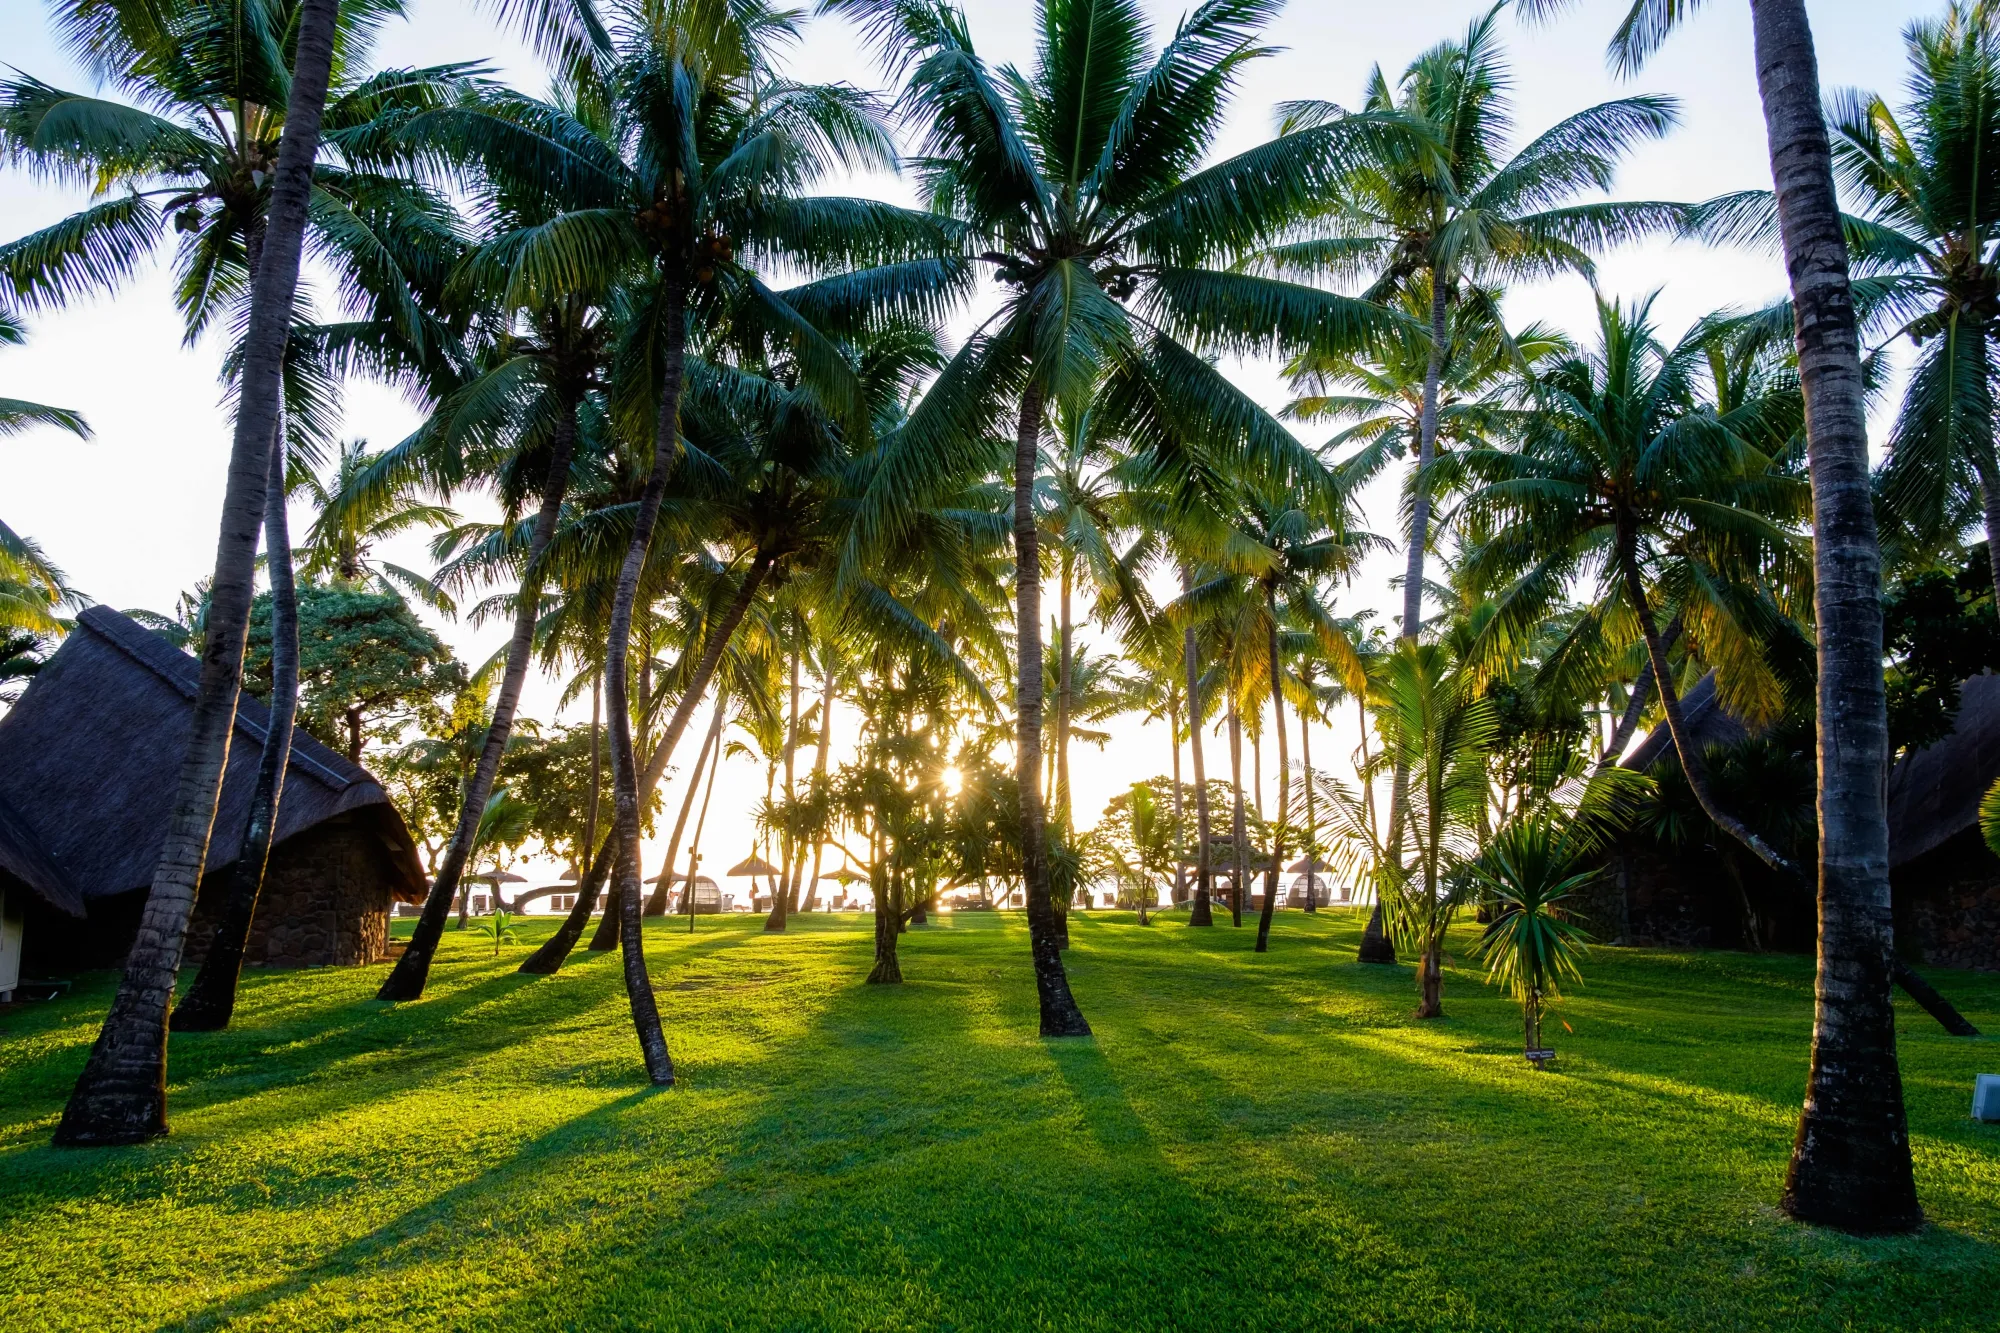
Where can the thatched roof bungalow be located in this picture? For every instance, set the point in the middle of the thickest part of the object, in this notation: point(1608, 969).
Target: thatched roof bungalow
point(1944, 880)
point(88, 760)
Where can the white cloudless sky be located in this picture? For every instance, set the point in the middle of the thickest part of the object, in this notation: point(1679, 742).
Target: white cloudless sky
point(131, 515)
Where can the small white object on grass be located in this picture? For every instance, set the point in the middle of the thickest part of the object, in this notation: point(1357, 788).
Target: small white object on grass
point(1986, 1097)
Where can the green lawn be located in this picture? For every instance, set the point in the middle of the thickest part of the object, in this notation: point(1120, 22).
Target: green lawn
point(1248, 1143)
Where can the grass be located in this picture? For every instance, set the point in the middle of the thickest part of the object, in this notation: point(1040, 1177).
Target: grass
point(1249, 1143)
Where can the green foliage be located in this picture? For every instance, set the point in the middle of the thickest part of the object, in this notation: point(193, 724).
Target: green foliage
point(499, 928)
point(1233, 1104)
point(1937, 630)
point(551, 773)
point(368, 668)
point(1530, 869)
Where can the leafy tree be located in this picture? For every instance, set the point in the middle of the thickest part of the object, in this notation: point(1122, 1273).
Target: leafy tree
point(369, 670)
point(1938, 629)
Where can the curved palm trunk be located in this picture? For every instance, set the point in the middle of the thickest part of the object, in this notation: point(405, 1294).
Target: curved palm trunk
point(794, 854)
point(211, 1001)
point(624, 767)
point(1060, 1016)
point(1239, 858)
point(1635, 707)
point(412, 970)
point(121, 1096)
point(1271, 876)
point(781, 887)
point(1203, 911)
point(662, 896)
point(704, 674)
point(1851, 1162)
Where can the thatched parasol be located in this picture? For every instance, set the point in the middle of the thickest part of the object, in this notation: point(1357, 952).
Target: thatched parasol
point(751, 865)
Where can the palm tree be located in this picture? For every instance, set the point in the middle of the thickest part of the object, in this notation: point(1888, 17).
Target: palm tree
point(1439, 730)
point(1851, 1159)
point(1080, 185)
point(1624, 478)
point(121, 1095)
point(357, 509)
point(30, 586)
point(1530, 947)
point(1925, 247)
point(1449, 222)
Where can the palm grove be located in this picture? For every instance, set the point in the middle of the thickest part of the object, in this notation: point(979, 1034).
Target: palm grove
point(743, 474)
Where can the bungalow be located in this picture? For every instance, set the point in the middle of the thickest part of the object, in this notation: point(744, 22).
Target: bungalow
point(88, 759)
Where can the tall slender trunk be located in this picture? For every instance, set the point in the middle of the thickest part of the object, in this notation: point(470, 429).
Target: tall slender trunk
point(1239, 853)
point(406, 980)
point(1851, 1162)
point(1312, 820)
point(662, 899)
point(1203, 911)
point(121, 1095)
point(596, 767)
point(1065, 705)
point(550, 956)
point(1060, 1016)
point(694, 847)
point(1376, 947)
point(781, 887)
point(624, 766)
point(1180, 810)
point(793, 853)
point(888, 969)
point(1257, 763)
point(819, 771)
point(1284, 792)
point(211, 1001)
point(1635, 707)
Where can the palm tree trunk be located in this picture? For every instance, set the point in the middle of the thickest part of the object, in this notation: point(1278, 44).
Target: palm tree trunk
point(1850, 1163)
point(1239, 860)
point(406, 980)
point(1060, 1016)
point(704, 674)
point(694, 846)
point(888, 969)
point(211, 1001)
point(787, 844)
point(1692, 762)
point(624, 768)
point(1312, 822)
point(1203, 911)
point(662, 897)
point(121, 1096)
point(596, 767)
point(1284, 794)
point(1064, 703)
point(1376, 946)
point(819, 769)
point(1180, 810)
point(1635, 707)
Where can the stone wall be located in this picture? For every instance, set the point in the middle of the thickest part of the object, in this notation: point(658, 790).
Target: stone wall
point(1948, 905)
point(325, 901)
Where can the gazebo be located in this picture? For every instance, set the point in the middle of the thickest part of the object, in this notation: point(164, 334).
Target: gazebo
point(749, 868)
point(1310, 882)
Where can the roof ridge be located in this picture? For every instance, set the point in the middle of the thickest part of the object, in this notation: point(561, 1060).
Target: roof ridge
point(173, 666)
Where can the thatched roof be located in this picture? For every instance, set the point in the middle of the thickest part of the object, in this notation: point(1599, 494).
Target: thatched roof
point(1708, 723)
point(1934, 794)
point(89, 756)
point(23, 856)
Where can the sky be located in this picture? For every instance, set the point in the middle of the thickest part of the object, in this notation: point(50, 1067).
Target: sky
point(131, 515)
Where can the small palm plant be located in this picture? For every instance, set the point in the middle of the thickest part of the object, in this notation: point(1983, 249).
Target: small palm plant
point(1532, 868)
point(499, 928)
